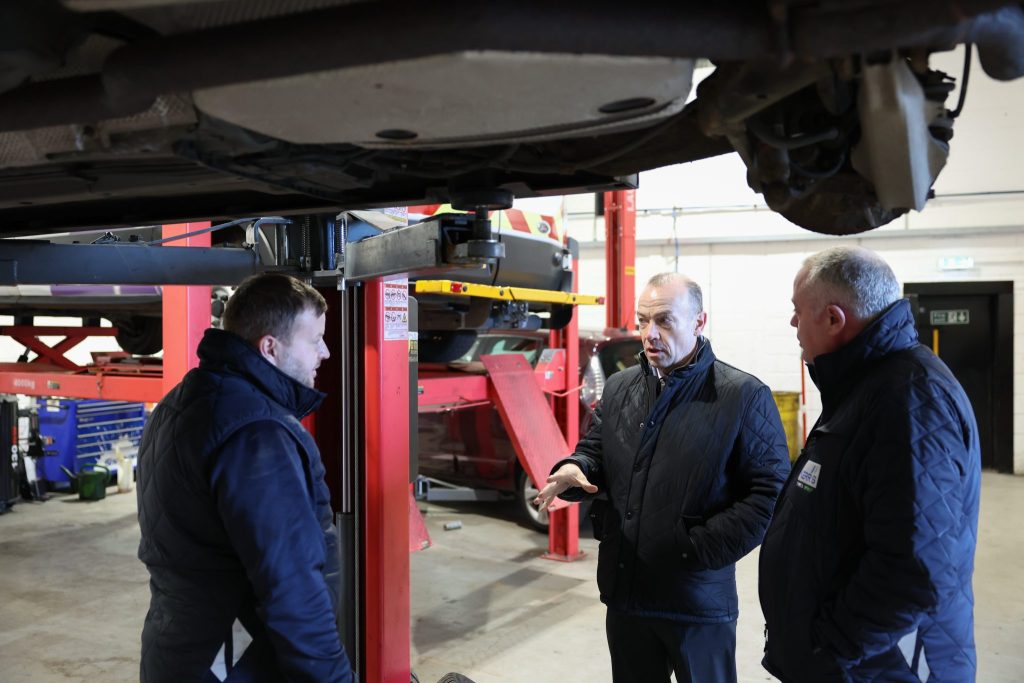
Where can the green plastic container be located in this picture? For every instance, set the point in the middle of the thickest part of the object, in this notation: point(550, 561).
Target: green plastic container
point(91, 481)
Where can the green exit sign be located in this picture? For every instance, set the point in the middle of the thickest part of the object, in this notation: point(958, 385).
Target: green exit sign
point(958, 316)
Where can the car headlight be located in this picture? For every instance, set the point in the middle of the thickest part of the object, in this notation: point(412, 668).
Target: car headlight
point(593, 383)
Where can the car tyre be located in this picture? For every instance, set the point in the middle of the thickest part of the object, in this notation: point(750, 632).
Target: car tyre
point(525, 493)
point(140, 335)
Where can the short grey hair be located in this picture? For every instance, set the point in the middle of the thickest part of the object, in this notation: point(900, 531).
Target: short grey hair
point(692, 288)
point(855, 278)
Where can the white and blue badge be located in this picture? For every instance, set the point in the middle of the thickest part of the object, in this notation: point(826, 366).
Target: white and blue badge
point(808, 479)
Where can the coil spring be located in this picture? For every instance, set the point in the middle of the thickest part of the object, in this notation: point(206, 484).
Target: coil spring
point(340, 230)
point(305, 233)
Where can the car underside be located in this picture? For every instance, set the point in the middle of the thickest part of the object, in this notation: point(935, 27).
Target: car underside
point(133, 112)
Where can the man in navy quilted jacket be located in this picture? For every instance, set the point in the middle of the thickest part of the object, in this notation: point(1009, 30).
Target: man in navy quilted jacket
point(691, 455)
point(865, 572)
point(236, 520)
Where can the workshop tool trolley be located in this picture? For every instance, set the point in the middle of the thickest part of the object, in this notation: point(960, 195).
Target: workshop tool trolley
point(79, 432)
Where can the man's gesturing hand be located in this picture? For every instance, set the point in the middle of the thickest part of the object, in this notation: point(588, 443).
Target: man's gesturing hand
point(567, 476)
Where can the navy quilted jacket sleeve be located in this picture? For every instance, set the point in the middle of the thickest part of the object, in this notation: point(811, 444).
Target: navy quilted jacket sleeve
point(912, 507)
point(267, 505)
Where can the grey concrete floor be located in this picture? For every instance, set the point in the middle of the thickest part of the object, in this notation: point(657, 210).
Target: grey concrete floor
point(73, 596)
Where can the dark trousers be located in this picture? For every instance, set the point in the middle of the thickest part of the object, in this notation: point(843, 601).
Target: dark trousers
point(648, 650)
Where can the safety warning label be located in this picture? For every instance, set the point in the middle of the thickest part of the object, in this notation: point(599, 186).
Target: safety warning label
point(396, 310)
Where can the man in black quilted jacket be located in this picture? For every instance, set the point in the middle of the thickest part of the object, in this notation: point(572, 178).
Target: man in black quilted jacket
point(865, 572)
point(691, 455)
point(236, 520)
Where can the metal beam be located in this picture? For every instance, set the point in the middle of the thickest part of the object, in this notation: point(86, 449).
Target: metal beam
point(404, 250)
point(31, 262)
point(40, 379)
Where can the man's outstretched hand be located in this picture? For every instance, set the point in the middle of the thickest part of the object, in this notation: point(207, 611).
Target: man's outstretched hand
point(567, 476)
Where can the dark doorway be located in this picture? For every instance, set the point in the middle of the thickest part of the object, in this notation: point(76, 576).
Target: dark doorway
point(971, 325)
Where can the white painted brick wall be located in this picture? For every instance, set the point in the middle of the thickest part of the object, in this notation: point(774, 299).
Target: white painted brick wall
point(747, 290)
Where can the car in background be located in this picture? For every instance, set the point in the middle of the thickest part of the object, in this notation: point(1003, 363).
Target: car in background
point(135, 310)
point(469, 446)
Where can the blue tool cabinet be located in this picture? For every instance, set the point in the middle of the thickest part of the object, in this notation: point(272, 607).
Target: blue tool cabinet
point(80, 431)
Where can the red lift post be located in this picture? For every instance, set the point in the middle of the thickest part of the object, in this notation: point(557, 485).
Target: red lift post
point(186, 311)
point(620, 258)
point(564, 523)
point(386, 625)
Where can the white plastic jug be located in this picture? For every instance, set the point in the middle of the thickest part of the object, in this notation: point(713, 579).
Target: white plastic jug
point(125, 467)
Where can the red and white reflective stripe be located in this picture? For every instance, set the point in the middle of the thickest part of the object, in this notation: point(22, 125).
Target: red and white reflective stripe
point(540, 226)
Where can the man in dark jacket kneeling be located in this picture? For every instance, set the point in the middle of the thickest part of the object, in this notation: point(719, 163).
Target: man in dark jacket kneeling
point(235, 514)
point(866, 569)
point(691, 455)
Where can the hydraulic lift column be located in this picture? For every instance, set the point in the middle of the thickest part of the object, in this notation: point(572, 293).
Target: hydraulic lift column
point(377, 399)
point(362, 429)
point(563, 528)
point(186, 311)
point(386, 466)
point(620, 258)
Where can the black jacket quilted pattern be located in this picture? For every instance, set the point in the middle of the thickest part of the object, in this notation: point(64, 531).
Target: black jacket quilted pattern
point(691, 465)
point(865, 572)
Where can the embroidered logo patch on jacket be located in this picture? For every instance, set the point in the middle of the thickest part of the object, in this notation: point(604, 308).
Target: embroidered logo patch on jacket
point(808, 479)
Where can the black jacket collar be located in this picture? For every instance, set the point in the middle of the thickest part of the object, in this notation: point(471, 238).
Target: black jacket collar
point(700, 362)
point(225, 352)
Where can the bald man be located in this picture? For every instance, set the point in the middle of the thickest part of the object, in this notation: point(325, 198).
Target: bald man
point(689, 454)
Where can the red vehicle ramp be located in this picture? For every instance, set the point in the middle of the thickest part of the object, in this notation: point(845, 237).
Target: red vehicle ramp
point(526, 412)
